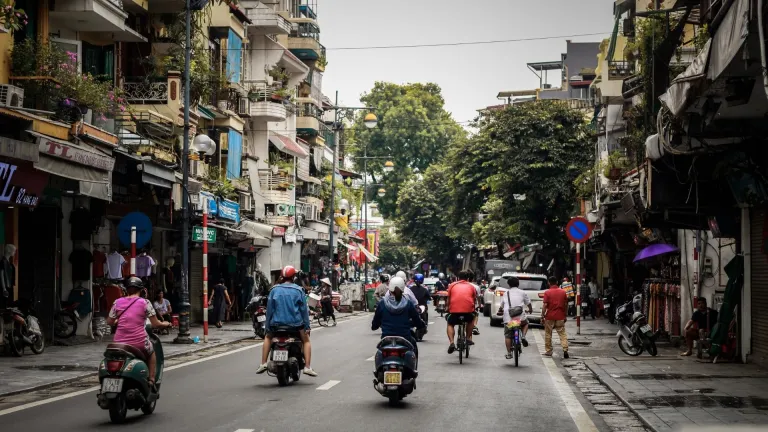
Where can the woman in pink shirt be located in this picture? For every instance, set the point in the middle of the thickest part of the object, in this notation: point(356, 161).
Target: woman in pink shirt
point(130, 313)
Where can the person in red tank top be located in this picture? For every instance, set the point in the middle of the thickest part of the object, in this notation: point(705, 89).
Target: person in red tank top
point(461, 303)
point(553, 315)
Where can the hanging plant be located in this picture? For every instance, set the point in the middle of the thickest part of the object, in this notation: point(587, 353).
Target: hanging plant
point(11, 18)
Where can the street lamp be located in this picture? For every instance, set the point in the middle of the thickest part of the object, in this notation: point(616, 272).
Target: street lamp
point(389, 166)
point(370, 120)
point(204, 145)
point(381, 192)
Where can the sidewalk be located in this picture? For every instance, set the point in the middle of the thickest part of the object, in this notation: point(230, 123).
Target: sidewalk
point(59, 364)
point(668, 392)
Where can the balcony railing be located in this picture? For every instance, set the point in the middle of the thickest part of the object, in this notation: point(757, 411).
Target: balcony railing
point(269, 181)
point(310, 190)
point(142, 91)
point(620, 69)
point(580, 103)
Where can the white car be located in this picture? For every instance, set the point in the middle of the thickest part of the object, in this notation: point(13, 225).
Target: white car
point(429, 283)
point(533, 284)
point(488, 296)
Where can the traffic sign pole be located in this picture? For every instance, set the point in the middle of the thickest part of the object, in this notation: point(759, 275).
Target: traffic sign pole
point(205, 268)
point(578, 231)
point(578, 288)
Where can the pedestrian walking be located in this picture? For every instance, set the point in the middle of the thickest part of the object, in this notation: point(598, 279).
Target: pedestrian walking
point(220, 300)
point(553, 315)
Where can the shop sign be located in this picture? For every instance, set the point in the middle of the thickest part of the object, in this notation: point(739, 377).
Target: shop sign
point(299, 237)
point(290, 238)
point(197, 234)
point(229, 210)
point(63, 150)
point(21, 185)
point(213, 208)
point(23, 150)
point(278, 231)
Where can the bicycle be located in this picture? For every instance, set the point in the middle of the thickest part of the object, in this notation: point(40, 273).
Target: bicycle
point(461, 341)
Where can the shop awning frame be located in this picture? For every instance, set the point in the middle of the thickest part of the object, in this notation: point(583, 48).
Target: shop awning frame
point(287, 145)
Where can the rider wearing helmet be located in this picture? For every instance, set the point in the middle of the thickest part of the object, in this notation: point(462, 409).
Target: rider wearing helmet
point(287, 307)
point(419, 290)
point(130, 313)
point(396, 315)
point(383, 287)
point(406, 291)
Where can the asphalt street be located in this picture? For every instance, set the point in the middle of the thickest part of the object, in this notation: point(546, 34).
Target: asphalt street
point(222, 393)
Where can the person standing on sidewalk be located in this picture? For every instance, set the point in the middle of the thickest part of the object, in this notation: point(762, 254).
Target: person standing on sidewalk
point(553, 316)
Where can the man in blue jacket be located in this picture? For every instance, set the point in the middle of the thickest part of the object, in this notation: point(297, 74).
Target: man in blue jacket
point(395, 315)
point(286, 307)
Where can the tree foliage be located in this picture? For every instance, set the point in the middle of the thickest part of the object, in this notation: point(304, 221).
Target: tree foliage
point(394, 253)
point(414, 128)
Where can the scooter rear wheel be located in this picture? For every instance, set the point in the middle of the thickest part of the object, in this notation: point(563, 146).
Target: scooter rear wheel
point(118, 409)
point(628, 349)
point(283, 376)
point(149, 407)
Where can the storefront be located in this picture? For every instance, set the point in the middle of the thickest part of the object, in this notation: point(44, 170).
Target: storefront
point(759, 285)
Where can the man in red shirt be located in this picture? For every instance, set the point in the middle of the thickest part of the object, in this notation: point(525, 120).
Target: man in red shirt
point(553, 315)
point(461, 306)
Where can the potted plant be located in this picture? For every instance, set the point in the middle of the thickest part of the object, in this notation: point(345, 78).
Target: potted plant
point(615, 165)
point(11, 19)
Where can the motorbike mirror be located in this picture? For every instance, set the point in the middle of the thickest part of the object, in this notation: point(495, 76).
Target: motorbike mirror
point(541, 295)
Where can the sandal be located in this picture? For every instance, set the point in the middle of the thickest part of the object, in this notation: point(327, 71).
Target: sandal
point(508, 356)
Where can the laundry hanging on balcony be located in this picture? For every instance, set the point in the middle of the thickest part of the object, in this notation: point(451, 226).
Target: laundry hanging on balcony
point(287, 145)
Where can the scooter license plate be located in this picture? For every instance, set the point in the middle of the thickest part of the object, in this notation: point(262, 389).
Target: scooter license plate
point(583, 304)
point(442, 302)
point(393, 378)
point(280, 355)
point(112, 385)
point(646, 329)
point(261, 318)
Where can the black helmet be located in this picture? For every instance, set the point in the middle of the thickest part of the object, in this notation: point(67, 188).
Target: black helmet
point(133, 282)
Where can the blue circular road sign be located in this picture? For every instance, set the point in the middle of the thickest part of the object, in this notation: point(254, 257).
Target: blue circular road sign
point(143, 229)
point(578, 230)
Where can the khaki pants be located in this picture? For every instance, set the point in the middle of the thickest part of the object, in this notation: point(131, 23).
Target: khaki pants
point(559, 326)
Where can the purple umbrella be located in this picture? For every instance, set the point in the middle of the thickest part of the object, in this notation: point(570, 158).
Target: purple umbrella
point(655, 250)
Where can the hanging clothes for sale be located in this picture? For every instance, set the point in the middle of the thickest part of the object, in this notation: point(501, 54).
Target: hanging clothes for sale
point(115, 263)
point(661, 304)
point(99, 263)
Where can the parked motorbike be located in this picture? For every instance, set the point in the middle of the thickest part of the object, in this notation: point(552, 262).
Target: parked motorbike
point(442, 297)
point(123, 377)
point(610, 302)
point(257, 308)
point(421, 332)
point(286, 356)
point(21, 329)
point(635, 335)
point(395, 374)
point(65, 320)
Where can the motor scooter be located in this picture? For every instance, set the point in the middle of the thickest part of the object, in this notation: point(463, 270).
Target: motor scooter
point(257, 308)
point(286, 356)
point(421, 332)
point(19, 328)
point(442, 298)
point(635, 335)
point(123, 378)
point(395, 373)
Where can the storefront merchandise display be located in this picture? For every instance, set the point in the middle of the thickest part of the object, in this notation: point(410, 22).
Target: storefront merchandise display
point(115, 263)
point(7, 273)
point(144, 265)
point(99, 263)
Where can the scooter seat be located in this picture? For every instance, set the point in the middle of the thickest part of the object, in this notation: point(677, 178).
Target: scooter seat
point(127, 349)
point(390, 340)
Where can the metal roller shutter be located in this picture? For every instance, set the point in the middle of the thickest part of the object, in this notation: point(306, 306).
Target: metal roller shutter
point(759, 300)
point(196, 285)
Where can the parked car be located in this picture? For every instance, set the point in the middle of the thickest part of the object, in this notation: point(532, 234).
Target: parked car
point(429, 283)
point(488, 295)
point(533, 284)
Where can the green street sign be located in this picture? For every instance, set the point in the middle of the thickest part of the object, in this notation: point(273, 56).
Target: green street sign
point(197, 234)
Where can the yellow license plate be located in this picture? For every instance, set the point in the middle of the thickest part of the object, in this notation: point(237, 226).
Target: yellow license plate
point(393, 378)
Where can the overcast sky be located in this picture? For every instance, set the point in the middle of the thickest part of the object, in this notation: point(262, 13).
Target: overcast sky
point(470, 76)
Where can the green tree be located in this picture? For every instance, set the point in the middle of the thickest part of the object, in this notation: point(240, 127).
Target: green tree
point(533, 151)
point(394, 252)
point(414, 128)
point(421, 214)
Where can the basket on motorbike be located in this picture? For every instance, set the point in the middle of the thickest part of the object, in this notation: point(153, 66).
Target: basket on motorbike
point(441, 298)
point(313, 300)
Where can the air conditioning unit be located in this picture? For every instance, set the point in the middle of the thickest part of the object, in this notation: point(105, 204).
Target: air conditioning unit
point(282, 209)
point(243, 107)
point(11, 96)
point(246, 202)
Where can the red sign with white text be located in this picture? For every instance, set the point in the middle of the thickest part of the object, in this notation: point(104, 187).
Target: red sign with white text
point(21, 184)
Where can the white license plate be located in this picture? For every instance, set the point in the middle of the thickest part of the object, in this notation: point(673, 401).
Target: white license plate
point(393, 378)
point(280, 355)
point(646, 329)
point(112, 385)
point(442, 302)
point(583, 304)
point(261, 318)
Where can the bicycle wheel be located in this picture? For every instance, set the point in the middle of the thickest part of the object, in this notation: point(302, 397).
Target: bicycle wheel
point(460, 344)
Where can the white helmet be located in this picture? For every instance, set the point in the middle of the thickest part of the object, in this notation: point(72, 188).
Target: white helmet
point(396, 282)
point(401, 275)
point(441, 276)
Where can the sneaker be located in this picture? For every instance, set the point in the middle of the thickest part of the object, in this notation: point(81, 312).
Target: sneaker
point(451, 348)
point(334, 324)
point(310, 372)
point(565, 355)
point(508, 356)
point(525, 342)
point(475, 332)
point(548, 354)
point(262, 369)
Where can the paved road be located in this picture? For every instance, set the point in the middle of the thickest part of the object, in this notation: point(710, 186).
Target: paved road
point(223, 394)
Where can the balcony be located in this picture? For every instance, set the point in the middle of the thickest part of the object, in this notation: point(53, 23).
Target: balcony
point(618, 70)
point(304, 42)
point(266, 103)
point(266, 21)
point(143, 91)
point(167, 6)
point(276, 188)
point(309, 125)
point(284, 221)
point(579, 104)
point(309, 190)
point(93, 16)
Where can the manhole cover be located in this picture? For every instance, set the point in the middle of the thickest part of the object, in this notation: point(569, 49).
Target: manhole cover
point(60, 368)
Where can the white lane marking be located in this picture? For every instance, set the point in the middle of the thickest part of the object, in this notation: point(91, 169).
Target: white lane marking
point(371, 358)
point(430, 323)
point(577, 412)
point(170, 368)
point(328, 385)
point(245, 430)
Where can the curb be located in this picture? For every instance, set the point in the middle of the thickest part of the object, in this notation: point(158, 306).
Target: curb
point(171, 356)
point(624, 401)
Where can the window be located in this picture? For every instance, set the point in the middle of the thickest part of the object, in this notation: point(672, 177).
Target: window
point(69, 45)
point(99, 61)
point(234, 154)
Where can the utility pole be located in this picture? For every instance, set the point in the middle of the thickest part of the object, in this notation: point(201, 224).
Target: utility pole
point(183, 336)
point(331, 239)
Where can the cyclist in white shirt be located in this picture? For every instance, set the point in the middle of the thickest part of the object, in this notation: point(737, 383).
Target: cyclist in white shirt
point(515, 297)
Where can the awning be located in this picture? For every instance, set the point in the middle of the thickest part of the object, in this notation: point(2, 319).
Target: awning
point(21, 150)
point(287, 145)
point(309, 234)
point(370, 256)
point(102, 191)
point(157, 175)
point(684, 86)
point(71, 171)
point(729, 38)
point(72, 161)
point(205, 113)
point(259, 232)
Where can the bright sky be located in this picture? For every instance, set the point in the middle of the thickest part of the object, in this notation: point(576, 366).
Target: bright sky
point(470, 76)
